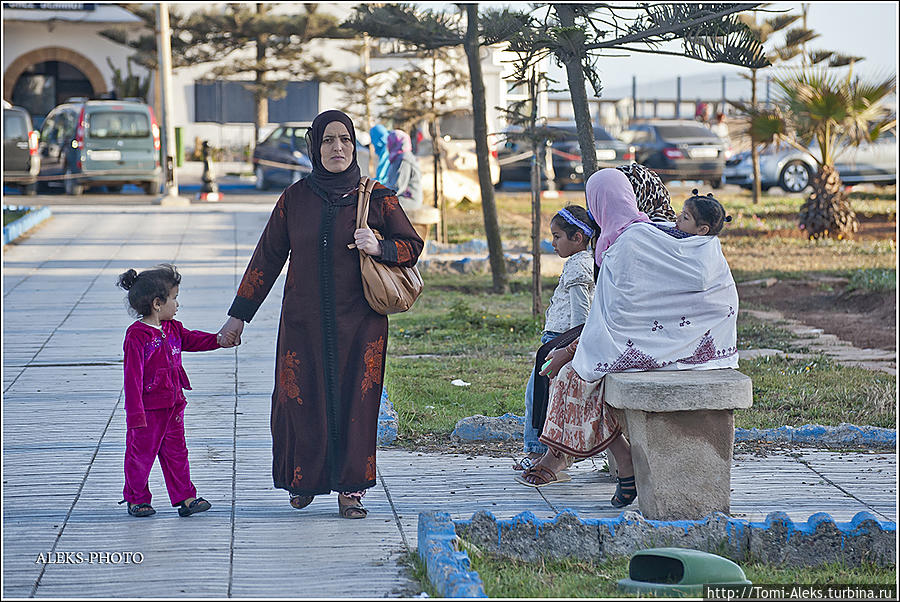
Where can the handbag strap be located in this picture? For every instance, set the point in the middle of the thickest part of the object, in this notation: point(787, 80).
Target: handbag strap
point(366, 186)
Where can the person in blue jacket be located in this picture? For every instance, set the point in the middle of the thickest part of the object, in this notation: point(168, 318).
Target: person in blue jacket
point(379, 135)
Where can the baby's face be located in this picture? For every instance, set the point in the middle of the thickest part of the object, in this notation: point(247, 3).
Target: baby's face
point(686, 222)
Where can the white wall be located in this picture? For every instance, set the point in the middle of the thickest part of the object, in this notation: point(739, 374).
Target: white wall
point(20, 37)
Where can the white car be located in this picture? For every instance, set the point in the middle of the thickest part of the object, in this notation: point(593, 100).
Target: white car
point(792, 170)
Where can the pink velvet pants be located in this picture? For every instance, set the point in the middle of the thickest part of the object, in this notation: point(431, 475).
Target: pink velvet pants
point(163, 437)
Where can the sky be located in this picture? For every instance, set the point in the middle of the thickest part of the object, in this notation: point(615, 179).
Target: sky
point(859, 29)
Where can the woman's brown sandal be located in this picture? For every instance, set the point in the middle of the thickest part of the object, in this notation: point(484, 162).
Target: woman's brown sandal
point(301, 501)
point(352, 510)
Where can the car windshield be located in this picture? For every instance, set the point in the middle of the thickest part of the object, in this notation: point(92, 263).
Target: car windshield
point(14, 126)
point(674, 132)
point(118, 124)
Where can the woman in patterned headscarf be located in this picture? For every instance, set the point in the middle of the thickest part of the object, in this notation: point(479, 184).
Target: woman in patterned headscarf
point(331, 344)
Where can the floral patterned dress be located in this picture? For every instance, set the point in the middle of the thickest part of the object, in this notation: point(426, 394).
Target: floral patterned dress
point(331, 345)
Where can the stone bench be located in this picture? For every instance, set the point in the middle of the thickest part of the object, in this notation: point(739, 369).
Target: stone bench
point(681, 428)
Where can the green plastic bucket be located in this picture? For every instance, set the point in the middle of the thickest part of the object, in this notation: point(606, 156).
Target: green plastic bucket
point(679, 572)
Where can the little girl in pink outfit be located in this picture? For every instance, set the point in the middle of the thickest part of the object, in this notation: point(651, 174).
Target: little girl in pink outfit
point(154, 401)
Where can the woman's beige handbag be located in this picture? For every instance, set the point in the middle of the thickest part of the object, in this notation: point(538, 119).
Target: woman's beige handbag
point(389, 289)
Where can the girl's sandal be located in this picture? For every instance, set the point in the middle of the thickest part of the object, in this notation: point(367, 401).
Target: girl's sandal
point(300, 502)
point(352, 510)
point(140, 510)
point(626, 492)
point(198, 505)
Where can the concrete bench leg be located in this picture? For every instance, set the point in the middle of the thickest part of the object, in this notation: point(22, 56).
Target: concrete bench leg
point(682, 462)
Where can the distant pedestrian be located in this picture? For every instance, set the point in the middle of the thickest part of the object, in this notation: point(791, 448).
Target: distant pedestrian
point(404, 174)
point(154, 401)
point(379, 136)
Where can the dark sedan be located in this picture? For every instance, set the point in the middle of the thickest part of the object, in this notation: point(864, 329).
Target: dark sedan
point(282, 157)
point(515, 155)
point(678, 150)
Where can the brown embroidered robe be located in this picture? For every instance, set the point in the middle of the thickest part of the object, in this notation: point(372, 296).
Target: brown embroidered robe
point(331, 345)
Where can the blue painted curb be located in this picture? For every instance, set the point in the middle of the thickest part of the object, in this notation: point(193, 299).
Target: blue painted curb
point(447, 567)
point(776, 540)
point(28, 221)
point(832, 436)
point(387, 421)
point(843, 435)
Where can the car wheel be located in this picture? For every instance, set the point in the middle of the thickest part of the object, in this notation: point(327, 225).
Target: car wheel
point(715, 184)
point(261, 183)
point(151, 187)
point(795, 176)
point(73, 186)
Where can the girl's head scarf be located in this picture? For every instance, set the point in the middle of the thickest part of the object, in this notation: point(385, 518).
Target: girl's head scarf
point(398, 143)
point(611, 200)
point(333, 187)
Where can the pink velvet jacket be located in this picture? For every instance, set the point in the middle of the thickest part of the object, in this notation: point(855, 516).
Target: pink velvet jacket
point(154, 377)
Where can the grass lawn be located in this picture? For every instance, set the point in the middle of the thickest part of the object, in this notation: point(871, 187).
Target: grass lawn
point(506, 578)
point(11, 216)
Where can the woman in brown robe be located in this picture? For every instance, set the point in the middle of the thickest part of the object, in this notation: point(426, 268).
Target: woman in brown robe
point(331, 345)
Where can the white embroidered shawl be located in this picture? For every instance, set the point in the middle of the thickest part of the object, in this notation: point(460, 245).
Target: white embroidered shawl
point(660, 303)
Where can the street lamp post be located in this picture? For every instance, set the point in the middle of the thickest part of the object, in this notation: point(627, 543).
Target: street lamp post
point(164, 46)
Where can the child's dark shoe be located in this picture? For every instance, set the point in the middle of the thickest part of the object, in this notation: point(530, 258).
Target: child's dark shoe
point(140, 510)
point(198, 505)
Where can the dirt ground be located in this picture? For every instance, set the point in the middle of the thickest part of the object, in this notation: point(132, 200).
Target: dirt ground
point(868, 320)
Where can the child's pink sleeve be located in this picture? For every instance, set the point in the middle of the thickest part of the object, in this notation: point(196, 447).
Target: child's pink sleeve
point(196, 340)
point(134, 384)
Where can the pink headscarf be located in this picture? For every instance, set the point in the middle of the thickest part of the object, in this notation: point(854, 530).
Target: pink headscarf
point(398, 142)
point(611, 200)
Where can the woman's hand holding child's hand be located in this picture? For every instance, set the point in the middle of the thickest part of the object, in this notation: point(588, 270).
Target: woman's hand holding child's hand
point(230, 333)
point(365, 240)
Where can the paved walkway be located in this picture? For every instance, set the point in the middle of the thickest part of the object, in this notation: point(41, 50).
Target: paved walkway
point(64, 430)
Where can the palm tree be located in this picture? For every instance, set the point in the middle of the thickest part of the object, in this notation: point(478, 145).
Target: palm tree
point(821, 113)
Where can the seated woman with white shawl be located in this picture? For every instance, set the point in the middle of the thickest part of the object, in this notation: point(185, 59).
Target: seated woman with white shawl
point(660, 303)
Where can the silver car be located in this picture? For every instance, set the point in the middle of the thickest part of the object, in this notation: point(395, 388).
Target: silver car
point(792, 170)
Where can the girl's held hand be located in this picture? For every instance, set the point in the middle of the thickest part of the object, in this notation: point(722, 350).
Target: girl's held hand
point(365, 240)
point(230, 333)
point(557, 358)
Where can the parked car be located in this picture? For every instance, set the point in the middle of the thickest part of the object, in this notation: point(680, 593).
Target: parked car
point(21, 162)
point(565, 152)
point(678, 150)
point(792, 170)
point(101, 142)
point(282, 157)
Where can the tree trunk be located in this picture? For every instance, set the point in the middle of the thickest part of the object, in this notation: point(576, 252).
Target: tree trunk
point(536, 308)
point(260, 97)
point(754, 150)
point(578, 92)
point(479, 110)
point(827, 211)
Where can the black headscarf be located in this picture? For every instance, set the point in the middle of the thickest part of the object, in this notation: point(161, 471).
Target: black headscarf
point(336, 188)
point(333, 187)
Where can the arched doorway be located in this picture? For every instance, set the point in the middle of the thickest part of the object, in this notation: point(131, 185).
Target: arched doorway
point(42, 79)
point(46, 85)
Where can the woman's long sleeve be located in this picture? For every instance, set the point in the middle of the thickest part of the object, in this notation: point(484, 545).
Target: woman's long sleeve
point(401, 245)
point(268, 259)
